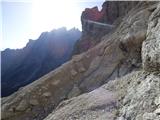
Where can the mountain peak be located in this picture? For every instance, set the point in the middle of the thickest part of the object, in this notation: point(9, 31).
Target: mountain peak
point(23, 66)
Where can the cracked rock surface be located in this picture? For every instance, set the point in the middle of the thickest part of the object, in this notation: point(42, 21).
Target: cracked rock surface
point(131, 85)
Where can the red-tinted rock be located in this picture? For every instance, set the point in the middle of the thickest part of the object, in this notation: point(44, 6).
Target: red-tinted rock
point(92, 14)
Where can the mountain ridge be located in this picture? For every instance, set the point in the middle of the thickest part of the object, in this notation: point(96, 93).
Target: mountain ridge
point(50, 50)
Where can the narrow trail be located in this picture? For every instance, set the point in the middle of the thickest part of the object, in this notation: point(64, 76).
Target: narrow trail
point(99, 23)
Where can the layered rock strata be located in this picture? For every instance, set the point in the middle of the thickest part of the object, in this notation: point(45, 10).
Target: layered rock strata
point(135, 96)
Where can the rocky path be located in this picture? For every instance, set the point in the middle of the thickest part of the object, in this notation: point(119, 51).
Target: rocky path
point(99, 23)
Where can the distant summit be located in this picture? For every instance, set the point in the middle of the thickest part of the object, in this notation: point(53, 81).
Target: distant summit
point(22, 66)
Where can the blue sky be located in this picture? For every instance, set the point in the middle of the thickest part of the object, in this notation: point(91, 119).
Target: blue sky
point(22, 20)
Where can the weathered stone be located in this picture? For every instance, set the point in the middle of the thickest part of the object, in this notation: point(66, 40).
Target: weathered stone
point(22, 105)
point(151, 46)
point(47, 94)
point(94, 65)
point(81, 68)
point(157, 111)
point(96, 105)
point(149, 116)
point(90, 106)
point(77, 58)
point(135, 93)
point(120, 118)
point(74, 92)
point(92, 14)
point(34, 102)
point(157, 100)
point(73, 72)
point(55, 82)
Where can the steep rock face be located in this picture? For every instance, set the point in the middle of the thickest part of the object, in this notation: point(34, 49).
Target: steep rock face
point(118, 54)
point(90, 37)
point(151, 46)
point(115, 9)
point(92, 14)
point(135, 96)
point(111, 10)
point(23, 66)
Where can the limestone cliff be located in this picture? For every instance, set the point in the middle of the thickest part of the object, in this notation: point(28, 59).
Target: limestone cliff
point(104, 20)
point(131, 48)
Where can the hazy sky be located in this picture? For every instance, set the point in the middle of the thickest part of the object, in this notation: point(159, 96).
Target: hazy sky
point(21, 20)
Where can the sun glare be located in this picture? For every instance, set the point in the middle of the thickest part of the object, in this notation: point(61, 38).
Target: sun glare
point(49, 14)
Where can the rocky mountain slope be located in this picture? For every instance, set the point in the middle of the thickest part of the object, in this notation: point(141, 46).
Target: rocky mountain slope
point(126, 62)
point(133, 97)
point(93, 33)
point(23, 66)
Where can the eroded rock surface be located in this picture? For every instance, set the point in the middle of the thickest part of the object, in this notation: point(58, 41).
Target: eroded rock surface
point(118, 54)
point(92, 33)
point(87, 106)
point(137, 94)
point(151, 46)
point(133, 97)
